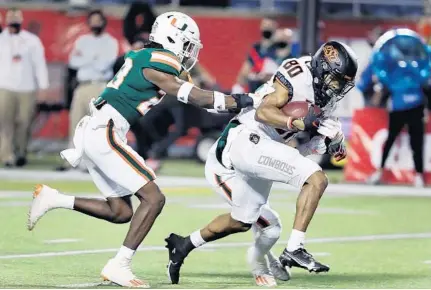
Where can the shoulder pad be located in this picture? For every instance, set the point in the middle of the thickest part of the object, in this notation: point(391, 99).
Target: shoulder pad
point(165, 61)
point(282, 80)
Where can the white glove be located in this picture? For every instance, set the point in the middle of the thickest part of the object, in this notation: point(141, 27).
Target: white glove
point(331, 128)
point(316, 146)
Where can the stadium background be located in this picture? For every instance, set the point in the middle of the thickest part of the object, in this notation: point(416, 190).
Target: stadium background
point(225, 48)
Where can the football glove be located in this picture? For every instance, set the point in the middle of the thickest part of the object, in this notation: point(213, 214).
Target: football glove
point(309, 123)
point(331, 128)
point(337, 150)
point(243, 100)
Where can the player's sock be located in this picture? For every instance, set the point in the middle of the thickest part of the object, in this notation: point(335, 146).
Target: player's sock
point(266, 239)
point(271, 257)
point(125, 254)
point(296, 240)
point(64, 201)
point(196, 239)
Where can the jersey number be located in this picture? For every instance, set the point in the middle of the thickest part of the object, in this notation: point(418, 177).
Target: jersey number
point(293, 68)
point(118, 79)
point(145, 106)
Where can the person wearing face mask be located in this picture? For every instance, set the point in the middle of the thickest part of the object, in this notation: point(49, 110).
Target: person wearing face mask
point(93, 57)
point(280, 51)
point(251, 75)
point(282, 45)
point(23, 74)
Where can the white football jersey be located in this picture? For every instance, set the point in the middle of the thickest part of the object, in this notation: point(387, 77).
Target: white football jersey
point(297, 77)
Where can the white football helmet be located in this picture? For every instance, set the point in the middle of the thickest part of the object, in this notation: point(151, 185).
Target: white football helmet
point(178, 33)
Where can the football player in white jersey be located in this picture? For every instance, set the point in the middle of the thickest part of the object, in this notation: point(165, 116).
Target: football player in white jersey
point(252, 153)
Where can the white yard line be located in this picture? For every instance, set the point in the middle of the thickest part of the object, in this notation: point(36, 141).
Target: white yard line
point(427, 262)
point(61, 241)
point(228, 245)
point(82, 285)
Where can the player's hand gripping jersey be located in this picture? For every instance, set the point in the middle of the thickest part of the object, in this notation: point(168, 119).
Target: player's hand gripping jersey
point(295, 76)
point(129, 92)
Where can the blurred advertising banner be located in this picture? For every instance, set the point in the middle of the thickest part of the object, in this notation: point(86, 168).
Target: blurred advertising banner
point(225, 43)
point(367, 138)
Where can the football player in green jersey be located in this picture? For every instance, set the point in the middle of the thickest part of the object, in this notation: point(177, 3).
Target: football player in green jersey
point(100, 139)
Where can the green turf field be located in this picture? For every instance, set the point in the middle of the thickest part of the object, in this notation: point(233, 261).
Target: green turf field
point(369, 242)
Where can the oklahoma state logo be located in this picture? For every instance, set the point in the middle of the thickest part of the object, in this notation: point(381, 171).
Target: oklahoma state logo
point(331, 54)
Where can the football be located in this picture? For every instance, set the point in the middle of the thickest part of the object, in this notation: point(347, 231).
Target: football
point(298, 109)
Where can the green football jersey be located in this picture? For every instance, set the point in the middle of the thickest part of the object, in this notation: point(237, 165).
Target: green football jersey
point(129, 92)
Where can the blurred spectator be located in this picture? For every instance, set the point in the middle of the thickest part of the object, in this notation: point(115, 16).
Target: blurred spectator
point(296, 46)
point(250, 74)
point(138, 21)
point(24, 71)
point(368, 83)
point(203, 78)
point(93, 56)
point(401, 62)
point(282, 45)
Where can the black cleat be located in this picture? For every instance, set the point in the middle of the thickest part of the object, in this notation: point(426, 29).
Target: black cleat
point(302, 259)
point(177, 254)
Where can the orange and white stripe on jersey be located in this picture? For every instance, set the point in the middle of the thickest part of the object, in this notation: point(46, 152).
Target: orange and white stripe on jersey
point(165, 58)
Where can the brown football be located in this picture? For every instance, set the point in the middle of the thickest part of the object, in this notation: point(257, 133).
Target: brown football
point(298, 109)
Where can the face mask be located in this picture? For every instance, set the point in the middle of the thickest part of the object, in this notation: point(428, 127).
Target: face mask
point(281, 44)
point(17, 26)
point(96, 30)
point(267, 34)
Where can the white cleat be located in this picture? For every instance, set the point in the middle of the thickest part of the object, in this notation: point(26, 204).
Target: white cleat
point(265, 280)
point(260, 270)
point(120, 273)
point(43, 197)
point(279, 272)
point(375, 178)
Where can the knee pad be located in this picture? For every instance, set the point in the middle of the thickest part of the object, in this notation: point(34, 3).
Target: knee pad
point(273, 231)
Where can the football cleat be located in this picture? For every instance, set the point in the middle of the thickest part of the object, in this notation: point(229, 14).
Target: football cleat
point(43, 197)
point(265, 280)
point(120, 273)
point(302, 259)
point(175, 246)
point(259, 268)
point(279, 272)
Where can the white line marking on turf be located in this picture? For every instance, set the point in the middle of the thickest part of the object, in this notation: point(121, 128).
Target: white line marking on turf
point(175, 181)
point(427, 262)
point(61, 241)
point(82, 285)
point(228, 245)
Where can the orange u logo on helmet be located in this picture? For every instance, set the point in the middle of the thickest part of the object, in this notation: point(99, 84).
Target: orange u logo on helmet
point(173, 23)
point(331, 54)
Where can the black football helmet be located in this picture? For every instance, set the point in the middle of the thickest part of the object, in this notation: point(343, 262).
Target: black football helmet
point(334, 68)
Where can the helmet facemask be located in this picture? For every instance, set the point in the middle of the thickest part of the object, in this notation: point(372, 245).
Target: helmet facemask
point(190, 53)
point(333, 87)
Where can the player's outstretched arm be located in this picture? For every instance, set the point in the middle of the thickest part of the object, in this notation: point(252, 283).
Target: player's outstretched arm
point(188, 93)
point(269, 111)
